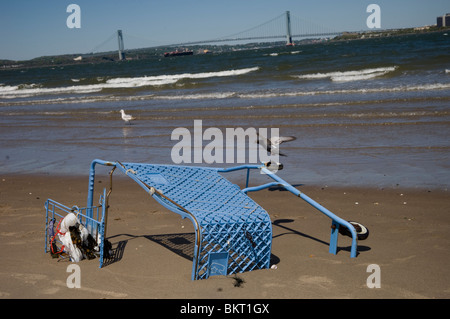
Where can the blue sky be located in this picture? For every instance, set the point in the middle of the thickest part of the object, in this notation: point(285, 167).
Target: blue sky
point(31, 28)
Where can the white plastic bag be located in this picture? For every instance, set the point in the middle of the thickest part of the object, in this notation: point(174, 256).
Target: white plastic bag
point(64, 236)
point(68, 221)
point(73, 251)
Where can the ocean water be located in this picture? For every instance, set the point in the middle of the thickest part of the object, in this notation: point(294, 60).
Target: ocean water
point(372, 112)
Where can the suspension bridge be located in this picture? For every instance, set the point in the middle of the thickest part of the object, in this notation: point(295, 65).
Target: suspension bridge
point(284, 26)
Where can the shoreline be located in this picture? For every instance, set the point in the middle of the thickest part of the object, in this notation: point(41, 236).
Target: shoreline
point(157, 52)
point(102, 172)
point(408, 240)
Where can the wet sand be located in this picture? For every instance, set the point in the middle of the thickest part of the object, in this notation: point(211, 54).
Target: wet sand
point(408, 240)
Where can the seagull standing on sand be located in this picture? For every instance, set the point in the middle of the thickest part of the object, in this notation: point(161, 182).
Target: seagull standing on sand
point(272, 145)
point(126, 117)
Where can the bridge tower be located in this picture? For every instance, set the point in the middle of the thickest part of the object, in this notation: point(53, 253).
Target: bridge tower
point(288, 29)
point(121, 48)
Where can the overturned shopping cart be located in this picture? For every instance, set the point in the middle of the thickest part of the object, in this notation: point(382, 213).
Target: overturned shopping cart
point(233, 233)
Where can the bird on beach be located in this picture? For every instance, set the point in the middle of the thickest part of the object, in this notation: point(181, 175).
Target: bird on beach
point(272, 144)
point(126, 117)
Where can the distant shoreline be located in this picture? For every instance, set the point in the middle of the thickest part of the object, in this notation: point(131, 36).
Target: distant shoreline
point(152, 52)
point(388, 33)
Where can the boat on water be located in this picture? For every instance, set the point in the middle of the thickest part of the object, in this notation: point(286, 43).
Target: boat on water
point(178, 53)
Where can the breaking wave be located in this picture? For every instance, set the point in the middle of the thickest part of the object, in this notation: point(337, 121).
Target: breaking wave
point(10, 92)
point(347, 76)
point(227, 95)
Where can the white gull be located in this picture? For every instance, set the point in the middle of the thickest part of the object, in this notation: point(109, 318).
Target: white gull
point(126, 117)
point(272, 145)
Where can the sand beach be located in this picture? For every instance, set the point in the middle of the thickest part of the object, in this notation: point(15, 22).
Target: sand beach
point(408, 240)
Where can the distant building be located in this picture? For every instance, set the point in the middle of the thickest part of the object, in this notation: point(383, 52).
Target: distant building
point(443, 21)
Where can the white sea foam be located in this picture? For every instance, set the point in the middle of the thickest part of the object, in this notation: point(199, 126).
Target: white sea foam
point(169, 79)
point(228, 94)
point(424, 87)
point(116, 83)
point(8, 88)
point(283, 53)
point(200, 96)
point(18, 92)
point(347, 76)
